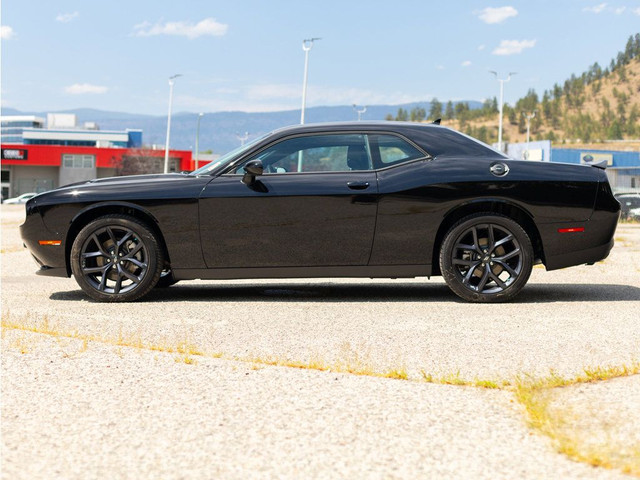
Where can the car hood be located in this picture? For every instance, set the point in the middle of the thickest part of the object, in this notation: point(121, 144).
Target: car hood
point(127, 188)
point(124, 180)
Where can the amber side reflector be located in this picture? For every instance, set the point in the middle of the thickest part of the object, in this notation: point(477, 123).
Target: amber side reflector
point(571, 230)
point(50, 242)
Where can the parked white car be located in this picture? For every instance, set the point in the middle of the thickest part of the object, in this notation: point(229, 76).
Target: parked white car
point(21, 199)
point(634, 214)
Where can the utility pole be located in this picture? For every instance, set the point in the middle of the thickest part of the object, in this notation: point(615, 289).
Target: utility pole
point(502, 82)
point(243, 138)
point(359, 111)
point(307, 45)
point(528, 116)
point(166, 147)
point(200, 115)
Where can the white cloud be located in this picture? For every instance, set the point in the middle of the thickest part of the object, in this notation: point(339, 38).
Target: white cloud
point(321, 95)
point(636, 11)
point(496, 15)
point(596, 8)
point(278, 97)
point(439, 67)
point(67, 17)
point(620, 10)
point(466, 63)
point(6, 32)
point(82, 88)
point(511, 47)
point(208, 26)
point(481, 47)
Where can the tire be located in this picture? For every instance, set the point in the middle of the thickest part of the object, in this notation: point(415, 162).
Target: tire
point(166, 279)
point(116, 258)
point(486, 257)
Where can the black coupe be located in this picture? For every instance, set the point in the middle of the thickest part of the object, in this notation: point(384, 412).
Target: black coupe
point(357, 199)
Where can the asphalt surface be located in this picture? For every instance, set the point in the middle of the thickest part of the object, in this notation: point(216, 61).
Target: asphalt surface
point(130, 413)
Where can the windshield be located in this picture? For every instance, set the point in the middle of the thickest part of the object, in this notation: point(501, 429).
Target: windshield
point(227, 158)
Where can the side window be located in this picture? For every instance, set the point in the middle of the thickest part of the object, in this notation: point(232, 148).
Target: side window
point(389, 150)
point(316, 153)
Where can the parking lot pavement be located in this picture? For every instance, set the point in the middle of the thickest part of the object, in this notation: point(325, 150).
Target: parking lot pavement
point(106, 413)
point(281, 422)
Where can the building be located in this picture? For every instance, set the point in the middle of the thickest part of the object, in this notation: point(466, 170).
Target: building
point(13, 126)
point(36, 158)
point(63, 129)
point(38, 168)
point(623, 167)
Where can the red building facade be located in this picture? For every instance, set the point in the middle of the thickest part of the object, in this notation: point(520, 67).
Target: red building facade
point(37, 168)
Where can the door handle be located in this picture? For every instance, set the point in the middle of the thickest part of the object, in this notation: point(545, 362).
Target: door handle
point(358, 185)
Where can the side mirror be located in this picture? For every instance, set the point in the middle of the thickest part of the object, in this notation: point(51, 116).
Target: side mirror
point(252, 169)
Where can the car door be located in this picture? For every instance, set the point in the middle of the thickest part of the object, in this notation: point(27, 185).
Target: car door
point(314, 205)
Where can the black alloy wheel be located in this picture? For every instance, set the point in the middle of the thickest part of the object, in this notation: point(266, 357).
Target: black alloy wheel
point(486, 258)
point(116, 258)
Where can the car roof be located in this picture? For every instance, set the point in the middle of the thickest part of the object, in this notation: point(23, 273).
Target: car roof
point(356, 126)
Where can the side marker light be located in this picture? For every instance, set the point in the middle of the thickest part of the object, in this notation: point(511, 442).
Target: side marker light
point(571, 230)
point(50, 242)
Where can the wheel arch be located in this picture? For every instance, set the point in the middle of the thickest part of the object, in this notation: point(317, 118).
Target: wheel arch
point(87, 215)
point(498, 206)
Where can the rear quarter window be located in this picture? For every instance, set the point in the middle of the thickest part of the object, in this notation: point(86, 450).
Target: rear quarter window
point(390, 150)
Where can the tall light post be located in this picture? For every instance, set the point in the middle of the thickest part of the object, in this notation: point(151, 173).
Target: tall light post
point(359, 111)
point(528, 116)
point(502, 82)
point(200, 115)
point(166, 146)
point(307, 45)
point(243, 138)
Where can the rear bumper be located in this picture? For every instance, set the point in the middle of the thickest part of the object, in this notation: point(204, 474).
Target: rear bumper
point(579, 257)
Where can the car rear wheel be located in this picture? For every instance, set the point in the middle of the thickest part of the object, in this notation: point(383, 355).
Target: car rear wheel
point(116, 258)
point(486, 258)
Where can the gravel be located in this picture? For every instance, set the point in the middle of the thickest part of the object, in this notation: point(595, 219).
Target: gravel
point(127, 413)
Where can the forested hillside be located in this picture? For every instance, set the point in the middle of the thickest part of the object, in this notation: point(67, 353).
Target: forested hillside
point(603, 103)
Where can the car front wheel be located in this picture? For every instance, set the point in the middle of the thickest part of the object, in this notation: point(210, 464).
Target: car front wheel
point(116, 258)
point(486, 258)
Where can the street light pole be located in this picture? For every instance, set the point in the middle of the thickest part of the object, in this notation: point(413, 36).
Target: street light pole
point(528, 116)
point(307, 45)
point(502, 82)
point(359, 111)
point(166, 147)
point(243, 138)
point(200, 115)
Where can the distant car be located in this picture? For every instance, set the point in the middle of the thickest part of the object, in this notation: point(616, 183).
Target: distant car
point(359, 199)
point(21, 199)
point(634, 214)
point(628, 202)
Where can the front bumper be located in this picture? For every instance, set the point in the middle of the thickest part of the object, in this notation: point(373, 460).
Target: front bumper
point(50, 258)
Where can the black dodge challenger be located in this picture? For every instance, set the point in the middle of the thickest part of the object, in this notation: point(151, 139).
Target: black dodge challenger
point(357, 199)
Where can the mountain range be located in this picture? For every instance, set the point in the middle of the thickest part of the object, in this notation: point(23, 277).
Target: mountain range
point(221, 131)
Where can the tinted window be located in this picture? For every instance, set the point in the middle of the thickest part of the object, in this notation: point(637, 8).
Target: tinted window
point(316, 153)
point(389, 150)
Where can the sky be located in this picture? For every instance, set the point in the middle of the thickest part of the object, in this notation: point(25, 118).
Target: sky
point(247, 54)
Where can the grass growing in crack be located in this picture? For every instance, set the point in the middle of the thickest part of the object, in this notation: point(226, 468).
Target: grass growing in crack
point(535, 394)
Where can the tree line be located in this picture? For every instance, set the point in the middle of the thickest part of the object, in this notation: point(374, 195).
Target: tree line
point(559, 109)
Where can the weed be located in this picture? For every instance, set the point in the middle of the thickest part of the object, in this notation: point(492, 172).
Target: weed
point(559, 425)
point(185, 358)
point(531, 392)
